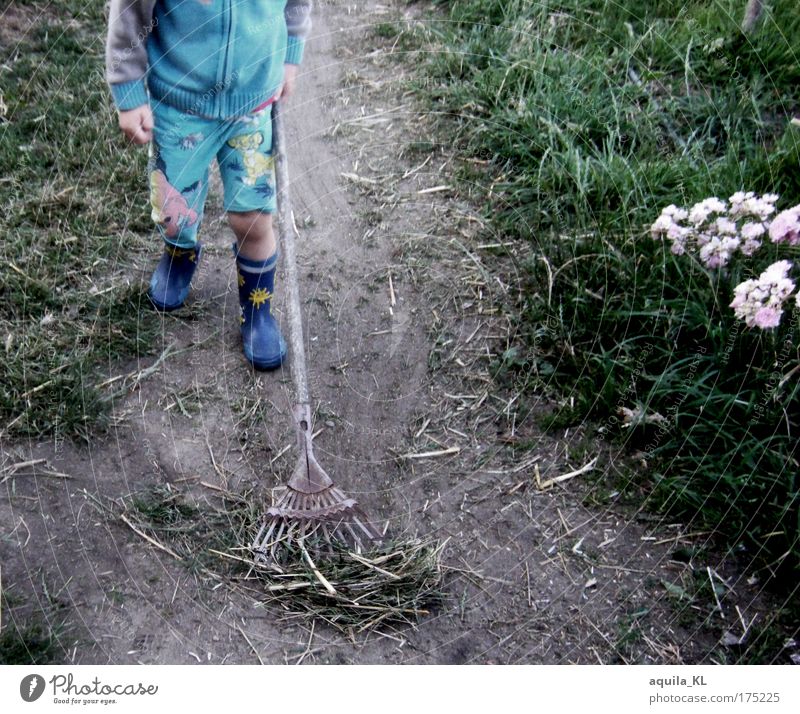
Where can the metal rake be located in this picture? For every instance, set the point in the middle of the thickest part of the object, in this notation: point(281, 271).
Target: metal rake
point(312, 513)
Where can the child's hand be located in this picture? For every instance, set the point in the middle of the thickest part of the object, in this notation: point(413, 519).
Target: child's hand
point(137, 124)
point(289, 76)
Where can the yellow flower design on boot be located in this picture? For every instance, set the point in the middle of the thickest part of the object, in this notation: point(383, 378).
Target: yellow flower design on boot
point(259, 296)
point(175, 252)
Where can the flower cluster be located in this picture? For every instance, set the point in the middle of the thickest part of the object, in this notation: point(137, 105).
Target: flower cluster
point(714, 230)
point(760, 302)
point(786, 227)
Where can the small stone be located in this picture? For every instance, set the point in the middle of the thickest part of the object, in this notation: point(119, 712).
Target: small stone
point(729, 640)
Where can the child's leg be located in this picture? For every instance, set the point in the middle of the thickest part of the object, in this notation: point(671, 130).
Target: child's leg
point(247, 170)
point(248, 176)
point(180, 154)
point(182, 149)
point(254, 234)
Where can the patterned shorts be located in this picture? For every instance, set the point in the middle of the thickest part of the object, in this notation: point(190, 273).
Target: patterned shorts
point(183, 147)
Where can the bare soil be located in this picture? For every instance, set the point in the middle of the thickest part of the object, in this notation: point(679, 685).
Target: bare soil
point(532, 575)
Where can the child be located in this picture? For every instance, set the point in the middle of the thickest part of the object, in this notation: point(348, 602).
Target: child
point(196, 79)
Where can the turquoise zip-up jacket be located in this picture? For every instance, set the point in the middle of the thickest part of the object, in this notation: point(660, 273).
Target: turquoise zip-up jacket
point(217, 58)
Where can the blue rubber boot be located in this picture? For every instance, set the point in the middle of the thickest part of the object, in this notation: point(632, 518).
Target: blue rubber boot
point(264, 346)
point(172, 278)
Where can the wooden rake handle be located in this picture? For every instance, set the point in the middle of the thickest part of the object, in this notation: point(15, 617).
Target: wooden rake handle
point(286, 240)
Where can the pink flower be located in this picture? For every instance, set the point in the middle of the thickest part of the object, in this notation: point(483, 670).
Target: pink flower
point(741, 293)
point(751, 231)
point(677, 214)
point(776, 271)
point(725, 226)
point(717, 251)
point(768, 317)
point(750, 246)
point(760, 302)
point(676, 232)
point(786, 227)
point(700, 212)
point(662, 225)
point(711, 228)
point(748, 204)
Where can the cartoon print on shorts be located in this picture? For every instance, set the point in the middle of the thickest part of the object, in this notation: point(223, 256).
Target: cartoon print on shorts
point(256, 165)
point(265, 190)
point(191, 141)
point(171, 211)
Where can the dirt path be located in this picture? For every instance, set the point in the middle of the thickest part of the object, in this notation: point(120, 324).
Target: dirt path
point(535, 576)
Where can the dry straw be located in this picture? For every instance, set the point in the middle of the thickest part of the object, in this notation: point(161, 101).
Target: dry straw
point(390, 585)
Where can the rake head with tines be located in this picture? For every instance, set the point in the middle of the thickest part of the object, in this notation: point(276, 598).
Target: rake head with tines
point(312, 512)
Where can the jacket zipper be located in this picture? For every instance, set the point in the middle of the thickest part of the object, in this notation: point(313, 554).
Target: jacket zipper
point(226, 78)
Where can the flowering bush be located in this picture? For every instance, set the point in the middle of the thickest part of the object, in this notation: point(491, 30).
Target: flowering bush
point(714, 231)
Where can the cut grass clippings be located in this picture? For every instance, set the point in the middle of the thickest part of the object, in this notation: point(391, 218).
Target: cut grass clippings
point(392, 585)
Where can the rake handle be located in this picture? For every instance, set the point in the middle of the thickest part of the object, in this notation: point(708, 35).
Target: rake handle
point(286, 239)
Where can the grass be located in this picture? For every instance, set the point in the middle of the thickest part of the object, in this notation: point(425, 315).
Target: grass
point(763, 638)
point(577, 121)
point(577, 142)
point(629, 634)
point(27, 638)
point(28, 644)
point(72, 216)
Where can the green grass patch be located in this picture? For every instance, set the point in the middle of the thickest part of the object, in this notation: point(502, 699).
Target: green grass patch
point(28, 644)
point(588, 117)
point(32, 638)
point(72, 215)
point(761, 638)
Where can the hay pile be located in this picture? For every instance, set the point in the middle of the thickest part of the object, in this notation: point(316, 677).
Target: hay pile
point(394, 584)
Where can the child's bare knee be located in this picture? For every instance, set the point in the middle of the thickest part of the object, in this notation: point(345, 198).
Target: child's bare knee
point(250, 223)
